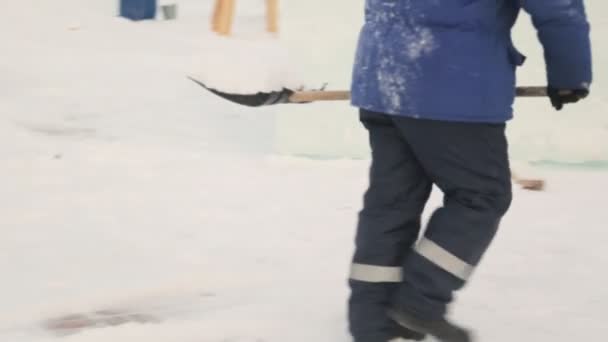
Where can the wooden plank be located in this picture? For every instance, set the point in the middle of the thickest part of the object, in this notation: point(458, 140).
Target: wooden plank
point(272, 16)
point(215, 20)
point(225, 17)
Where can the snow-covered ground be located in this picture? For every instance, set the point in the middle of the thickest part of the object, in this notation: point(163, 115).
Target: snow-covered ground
point(127, 188)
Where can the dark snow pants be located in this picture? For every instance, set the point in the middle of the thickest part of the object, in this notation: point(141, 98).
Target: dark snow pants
point(392, 265)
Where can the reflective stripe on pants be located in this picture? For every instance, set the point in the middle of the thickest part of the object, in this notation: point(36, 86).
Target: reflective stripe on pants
point(375, 274)
point(444, 259)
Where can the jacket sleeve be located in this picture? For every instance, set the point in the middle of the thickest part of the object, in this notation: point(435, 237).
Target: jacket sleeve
point(563, 30)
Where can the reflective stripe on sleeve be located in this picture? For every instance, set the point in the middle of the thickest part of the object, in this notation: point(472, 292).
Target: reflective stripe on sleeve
point(444, 259)
point(375, 274)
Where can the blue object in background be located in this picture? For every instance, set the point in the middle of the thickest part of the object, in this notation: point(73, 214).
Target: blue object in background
point(138, 9)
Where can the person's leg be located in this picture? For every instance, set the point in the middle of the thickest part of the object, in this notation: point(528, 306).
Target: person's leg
point(389, 224)
point(469, 163)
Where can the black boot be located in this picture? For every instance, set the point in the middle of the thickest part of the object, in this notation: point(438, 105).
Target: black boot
point(408, 334)
point(443, 330)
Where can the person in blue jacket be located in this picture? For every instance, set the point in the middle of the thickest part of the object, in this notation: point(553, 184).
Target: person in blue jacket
point(434, 81)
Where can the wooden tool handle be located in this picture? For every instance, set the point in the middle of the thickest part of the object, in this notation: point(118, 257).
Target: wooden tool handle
point(535, 184)
point(531, 91)
point(319, 95)
point(341, 95)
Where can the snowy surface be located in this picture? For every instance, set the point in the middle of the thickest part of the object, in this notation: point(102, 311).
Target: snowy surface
point(125, 187)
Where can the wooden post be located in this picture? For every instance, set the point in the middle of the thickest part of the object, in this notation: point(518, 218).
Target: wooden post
point(215, 20)
point(223, 16)
point(272, 16)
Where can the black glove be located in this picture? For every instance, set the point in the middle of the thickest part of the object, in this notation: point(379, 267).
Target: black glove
point(559, 97)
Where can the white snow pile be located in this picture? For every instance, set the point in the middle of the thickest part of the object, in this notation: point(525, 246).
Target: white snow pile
point(262, 61)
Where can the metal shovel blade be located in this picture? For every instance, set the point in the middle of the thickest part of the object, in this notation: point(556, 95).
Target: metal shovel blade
point(258, 99)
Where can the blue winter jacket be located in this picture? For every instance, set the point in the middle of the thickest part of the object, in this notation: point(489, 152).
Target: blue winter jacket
point(454, 59)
